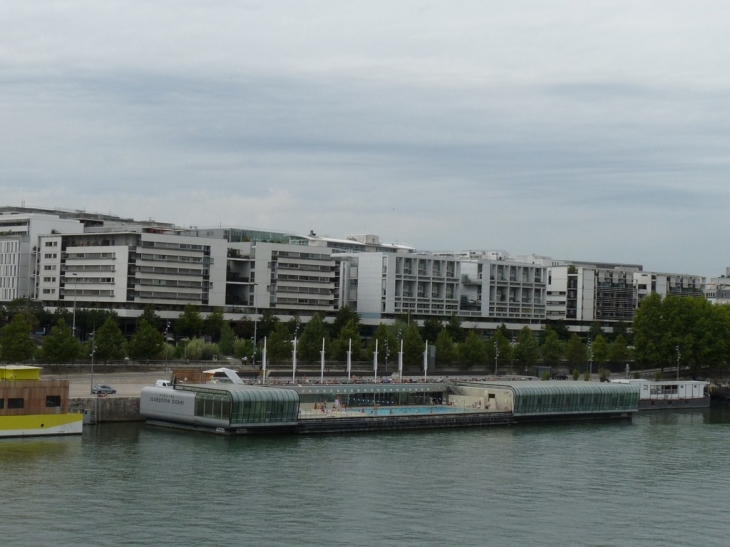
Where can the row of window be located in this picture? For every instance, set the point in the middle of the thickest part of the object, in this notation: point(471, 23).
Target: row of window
point(14, 403)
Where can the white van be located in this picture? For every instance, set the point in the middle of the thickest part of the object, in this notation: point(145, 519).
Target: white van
point(163, 383)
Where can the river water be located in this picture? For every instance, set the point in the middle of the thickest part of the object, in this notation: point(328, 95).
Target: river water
point(661, 480)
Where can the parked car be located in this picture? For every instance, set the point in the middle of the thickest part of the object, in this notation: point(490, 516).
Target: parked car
point(103, 389)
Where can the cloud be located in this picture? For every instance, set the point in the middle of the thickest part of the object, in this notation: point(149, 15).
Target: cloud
point(597, 132)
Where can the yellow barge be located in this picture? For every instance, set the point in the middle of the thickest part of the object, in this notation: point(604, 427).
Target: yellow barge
point(30, 406)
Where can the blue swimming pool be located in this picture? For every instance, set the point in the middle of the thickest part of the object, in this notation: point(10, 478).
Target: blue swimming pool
point(409, 410)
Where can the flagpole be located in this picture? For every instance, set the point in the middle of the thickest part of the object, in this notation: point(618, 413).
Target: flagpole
point(294, 361)
point(375, 361)
point(425, 361)
point(349, 360)
point(321, 371)
point(263, 363)
point(400, 362)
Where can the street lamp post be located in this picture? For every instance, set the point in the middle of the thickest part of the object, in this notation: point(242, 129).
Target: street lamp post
point(73, 320)
point(678, 356)
point(590, 359)
point(496, 357)
point(93, 351)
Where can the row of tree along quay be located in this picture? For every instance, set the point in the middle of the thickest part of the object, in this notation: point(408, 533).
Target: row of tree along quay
point(668, 333)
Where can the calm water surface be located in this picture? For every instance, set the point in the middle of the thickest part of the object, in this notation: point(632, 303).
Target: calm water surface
point(660, 481)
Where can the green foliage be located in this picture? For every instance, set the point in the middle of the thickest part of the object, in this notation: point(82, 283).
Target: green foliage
point(243, 347)
point(413, 345)
point(586, 376)
point(189, 323)
point(473, 351)
point(700, 330)
point(446, 351)
point(341, 345)
point(560, 328)
point(385, 338)
point(503, 345)
point(266, 324)
point(149, 315)
point(279, 345)
point(294, 326)
point(621, 328)
point(432, 327)
point(576, 352)
point(110, 342)
point(213, 324)
point(227, 338)
point(595, 331)
point(61, 346)
point(576, 374)
point(600, 350)
point(527, 350)
point(603, 374)
point(552, 349)
point(545, 376)
point(146, 343)
point(619, 353)
point(455, 330)
point(244, 328)
point(344, 316)
point(16, 344)
point(310, 343)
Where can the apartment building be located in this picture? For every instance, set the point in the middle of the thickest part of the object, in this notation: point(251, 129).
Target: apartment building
point(19, 249)
point(291, 279)
point(131, 268)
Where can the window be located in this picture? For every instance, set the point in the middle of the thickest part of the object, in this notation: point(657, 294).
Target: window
point(17, 402)
point(51, 255)
point(53, 401)
point(2, 403)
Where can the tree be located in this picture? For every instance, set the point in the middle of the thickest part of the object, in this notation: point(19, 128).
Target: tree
point(445, 348)
point(61, 346)
point(343, 316)
point(432, 327)
point(560, 328)
point(599, 349)
point(266, 324)
point(473, 351)
point(385, 340)
point(502, 347)
point(527, 349)
point(310, 343)
point(649, 337)
point(245, 328)
point(413, 345)
point(455, 330)
point(619, 353)
point(595, 330)
point(552, 349)
point(279, 344)
point(227, 339)
point(146, 343)
point(16, 345)
point(294, 325)
point(110, 342)
point(622, 328)
point(576, 352)
point(341, 346)
point(149, 315)
point(213, 324)
point(189, 323)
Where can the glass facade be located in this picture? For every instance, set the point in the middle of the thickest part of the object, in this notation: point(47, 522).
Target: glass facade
point(245, 405)
point(568, 398)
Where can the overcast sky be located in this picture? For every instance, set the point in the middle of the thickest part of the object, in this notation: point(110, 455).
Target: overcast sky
point(581, 130)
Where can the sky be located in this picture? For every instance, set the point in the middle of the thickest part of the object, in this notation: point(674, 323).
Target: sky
point(592, 131)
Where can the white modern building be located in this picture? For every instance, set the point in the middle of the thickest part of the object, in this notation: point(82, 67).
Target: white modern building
point(19, 249)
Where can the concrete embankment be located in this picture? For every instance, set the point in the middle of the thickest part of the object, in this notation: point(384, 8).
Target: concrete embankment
point(99, 410)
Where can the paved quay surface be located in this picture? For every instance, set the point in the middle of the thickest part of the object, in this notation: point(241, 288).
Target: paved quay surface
point(127, 384)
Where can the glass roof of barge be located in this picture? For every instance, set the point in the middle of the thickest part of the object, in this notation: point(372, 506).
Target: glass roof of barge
point(243, 393)
point(346, 389)
point(558, 387)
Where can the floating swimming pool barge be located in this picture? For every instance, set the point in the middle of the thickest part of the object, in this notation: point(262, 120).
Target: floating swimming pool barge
point(235, 409)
